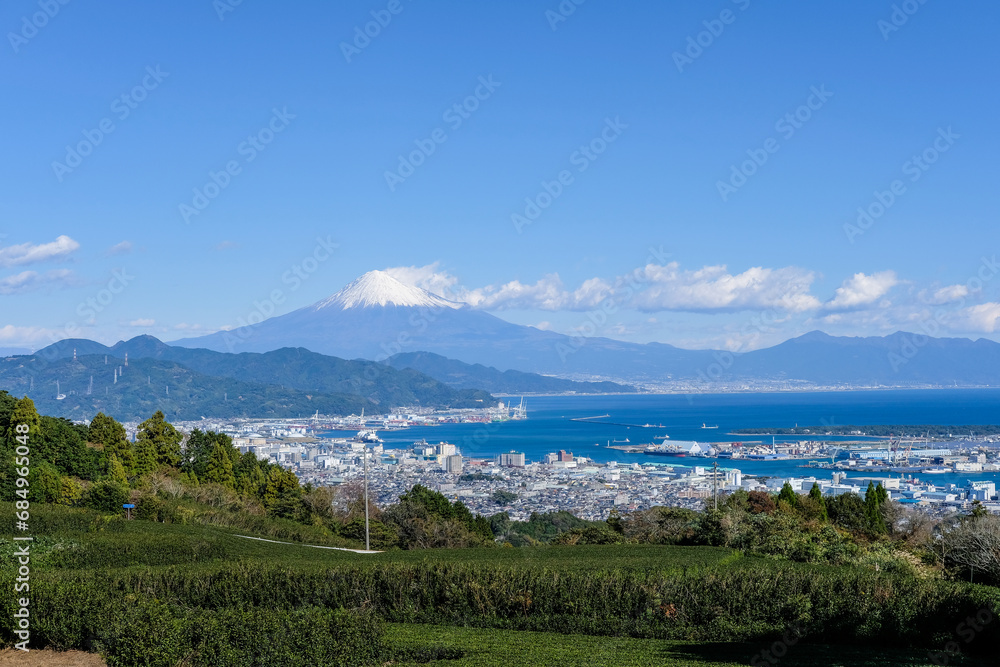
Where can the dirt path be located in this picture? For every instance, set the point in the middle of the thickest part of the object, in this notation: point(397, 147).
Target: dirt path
point(12, 657)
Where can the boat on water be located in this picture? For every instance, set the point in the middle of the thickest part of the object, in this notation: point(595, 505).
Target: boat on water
point(679, 453)
point(661, 437)
point(935, 471)
point(704, 426)
point(367, 437)
point(620, 441)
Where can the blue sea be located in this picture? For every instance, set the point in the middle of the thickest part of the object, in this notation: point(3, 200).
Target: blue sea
point(549, 427)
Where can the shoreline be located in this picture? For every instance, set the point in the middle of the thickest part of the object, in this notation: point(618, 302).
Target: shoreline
point(722, 391)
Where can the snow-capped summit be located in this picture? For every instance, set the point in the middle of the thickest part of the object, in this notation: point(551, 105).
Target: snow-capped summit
point(378, 288)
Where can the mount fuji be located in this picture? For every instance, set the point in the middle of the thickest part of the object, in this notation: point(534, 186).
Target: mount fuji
point(377, 316)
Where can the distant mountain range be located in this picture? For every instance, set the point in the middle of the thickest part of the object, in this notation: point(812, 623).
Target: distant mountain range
point(377, 317)
point(897, 359)
point(461, 375)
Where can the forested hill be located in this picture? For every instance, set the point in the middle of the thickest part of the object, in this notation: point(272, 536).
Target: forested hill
point(285, 382)
point(89, 385)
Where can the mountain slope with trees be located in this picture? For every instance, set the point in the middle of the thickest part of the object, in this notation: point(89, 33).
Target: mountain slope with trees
point(89, 385)
point(292, 369)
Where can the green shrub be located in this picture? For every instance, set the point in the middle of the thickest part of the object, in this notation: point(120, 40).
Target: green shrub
point(107, 496)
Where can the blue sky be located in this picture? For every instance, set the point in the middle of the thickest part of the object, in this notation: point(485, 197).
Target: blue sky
point(644, 110)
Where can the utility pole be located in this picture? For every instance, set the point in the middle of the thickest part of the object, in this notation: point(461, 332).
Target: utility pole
point(367, 546)
point(715, 482)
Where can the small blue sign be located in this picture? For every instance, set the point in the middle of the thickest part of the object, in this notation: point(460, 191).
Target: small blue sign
point(129, 507)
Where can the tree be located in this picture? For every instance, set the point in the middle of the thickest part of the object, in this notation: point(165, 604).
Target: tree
point(425, 518)
point(23, 413)
point(281, 495)
point(738, 500)
point(501, 497)
point(874, 497)
point(116, 472)
point(760, 502)
point(977, 510)
point(70, 492)
point(816, 494)
point(65, 445)
point(664, 525)
point(144, 455)
point(105, 430)
point(848, 511)
point(199, 449)
point(6, 407)
point(45, 481)
point(500, 525)
point(972, 545)
point(107, 496)
point(789, 496)
point(159, 437)
point(108, 433)
point(219, 468)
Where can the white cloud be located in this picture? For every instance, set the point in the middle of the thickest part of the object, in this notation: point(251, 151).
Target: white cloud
point(28, 281)
point(30, 337)
point(546, 294)
point(122, 248)
point(667, 287)
point(427, 277)
point(142, 322)
point(650, 289)
point(944, 295)
point(862, 290)
point(983, 318)
point(26, 253)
